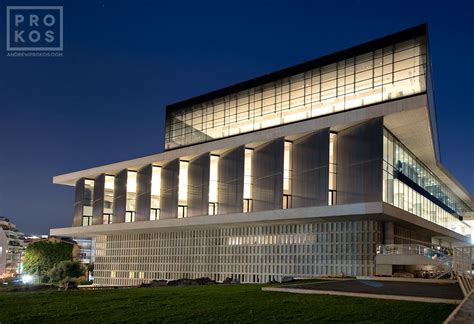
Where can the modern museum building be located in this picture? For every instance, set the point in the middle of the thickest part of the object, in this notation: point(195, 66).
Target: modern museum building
point(301, 172)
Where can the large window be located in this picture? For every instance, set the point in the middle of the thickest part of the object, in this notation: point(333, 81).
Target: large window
point(395, 71)
point(155, 193)
point(287, 175)
point(408, 184)
point(248, 181)
point(87, 202)
point(108, 198)
point(213, 184)
point(183, 189)
point(131, 196)
point(332, 198)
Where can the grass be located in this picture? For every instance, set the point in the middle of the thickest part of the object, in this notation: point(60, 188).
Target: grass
point(221, 303)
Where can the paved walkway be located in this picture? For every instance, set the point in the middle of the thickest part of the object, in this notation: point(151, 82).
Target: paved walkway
point(413, 289)
point(464, 313)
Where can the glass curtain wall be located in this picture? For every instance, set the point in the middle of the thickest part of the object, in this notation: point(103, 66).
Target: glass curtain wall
point(87, 202)
point(407, 184)
point(108, 199)
point(213, 184)
point(155, 193)
point(287, 175)
point(332, 170)
point(183, 189)
point(248, 182)
point(131, 196)
point(395, 71)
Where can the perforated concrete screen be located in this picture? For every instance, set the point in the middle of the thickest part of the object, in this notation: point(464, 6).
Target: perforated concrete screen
point(251, 253)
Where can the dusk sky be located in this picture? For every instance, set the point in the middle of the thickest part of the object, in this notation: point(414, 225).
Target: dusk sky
point(124, 61)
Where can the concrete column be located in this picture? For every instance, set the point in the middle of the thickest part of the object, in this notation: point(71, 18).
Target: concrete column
point(144, 193)
point(359, 162)
point(98, 204)
point(198, 185)
point(78, 203)
point(120, 196)
point(267, 174)
point(169, 190)
point(231, 181)
point(388, 233)
point(310, 157)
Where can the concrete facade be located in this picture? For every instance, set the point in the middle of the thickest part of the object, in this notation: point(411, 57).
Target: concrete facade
point(311, 197)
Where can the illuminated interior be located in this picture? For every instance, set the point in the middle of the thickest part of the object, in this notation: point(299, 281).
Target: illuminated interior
point(213, 184)
point(395, 71)
point(183, 189)
point(155, 193)
point(131, 196)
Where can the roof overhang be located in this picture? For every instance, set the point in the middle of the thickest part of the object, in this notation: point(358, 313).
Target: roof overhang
point(377, 211)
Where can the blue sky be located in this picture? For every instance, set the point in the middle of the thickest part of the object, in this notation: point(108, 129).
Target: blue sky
point(124, 61)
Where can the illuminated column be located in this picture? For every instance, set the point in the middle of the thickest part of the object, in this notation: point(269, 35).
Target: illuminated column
point(311, 170)
point(169, 190)
point(120, 197)
point(267, 176)
point(98, 206)
point(198, 186)
point(144, 193)
point(231, 181)
point(359, 162)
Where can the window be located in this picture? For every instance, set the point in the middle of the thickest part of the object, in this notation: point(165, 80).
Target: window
point(107, 219)
point(182, 211)
point(212, 208)
point(154, 214)
point(286, 201)
point(248, 205)
point(129, 217)
point(86, 220)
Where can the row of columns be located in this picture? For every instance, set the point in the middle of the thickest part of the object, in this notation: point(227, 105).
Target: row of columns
point(359, 179)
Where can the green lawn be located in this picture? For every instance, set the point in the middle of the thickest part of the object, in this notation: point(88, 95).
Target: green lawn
point(222, 303)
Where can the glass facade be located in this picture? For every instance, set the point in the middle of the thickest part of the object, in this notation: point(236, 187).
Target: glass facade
point(87, 202)
point(131, 207)
point(155, 193)
point(183, 189)
point(387, 73)
point(287, 174)
point(248, 181)
point(408, 184)
point(332, 170)
point(108, 198)
point(213, 184)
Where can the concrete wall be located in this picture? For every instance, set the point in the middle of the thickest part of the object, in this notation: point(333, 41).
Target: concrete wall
point(120, 196)
point(98, 204)
point(198, 186)
point(310, 183)
point(231, 181)
point(78, 203)
point(144, 193)
point(169, 190)
point(267, 174)
point(359, 162)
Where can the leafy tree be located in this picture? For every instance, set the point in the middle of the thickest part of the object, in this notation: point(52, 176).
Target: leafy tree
point(65, 270)
point(42, 256)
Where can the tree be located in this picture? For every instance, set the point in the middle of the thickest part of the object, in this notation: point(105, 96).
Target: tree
point(42, 256)
point(65, 270)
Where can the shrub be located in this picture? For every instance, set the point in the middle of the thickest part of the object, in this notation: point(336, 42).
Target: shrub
point(65, 269)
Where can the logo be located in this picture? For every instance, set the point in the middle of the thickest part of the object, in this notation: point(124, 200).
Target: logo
point(34, 29)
